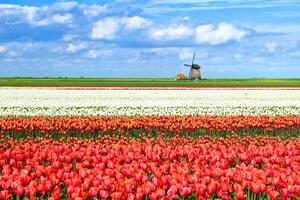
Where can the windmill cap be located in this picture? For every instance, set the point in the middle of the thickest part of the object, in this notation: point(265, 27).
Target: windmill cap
point(195, 66)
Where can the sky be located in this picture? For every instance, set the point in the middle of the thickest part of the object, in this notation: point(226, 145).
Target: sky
point(150, 38)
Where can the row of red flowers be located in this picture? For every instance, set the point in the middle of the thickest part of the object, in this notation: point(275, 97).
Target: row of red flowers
point(129, 168)
point(173, 124)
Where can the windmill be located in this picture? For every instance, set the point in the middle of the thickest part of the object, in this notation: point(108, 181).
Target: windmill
point(194, 71)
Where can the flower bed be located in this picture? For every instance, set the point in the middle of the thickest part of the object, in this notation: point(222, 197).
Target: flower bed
point(128, 168)
point(139, 144)
point(48, 102)
point(285, 126)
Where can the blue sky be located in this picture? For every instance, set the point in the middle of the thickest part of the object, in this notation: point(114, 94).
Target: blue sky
point(149, 38)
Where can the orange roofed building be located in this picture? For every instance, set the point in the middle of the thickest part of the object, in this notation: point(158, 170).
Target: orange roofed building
point(180, 76)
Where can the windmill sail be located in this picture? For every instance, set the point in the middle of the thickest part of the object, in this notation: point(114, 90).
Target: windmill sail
point(193, 59)
point(194, 73)
point(194, 69)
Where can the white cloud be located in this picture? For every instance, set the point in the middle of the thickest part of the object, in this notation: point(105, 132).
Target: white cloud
point(93, 10)
point(218, 35)
point(271, 46)
point(2, 49)
point(173, 32)
point(109, 27)
point(74, 48)
point(65, 6)
point(69, 37)
point(38, 16)
point(105, 29)
point(136, 22)
point(28, 14)
point(166, 6)
point(10, 9)
point(163, 51)
point(12, 54)
point(186, 18)
point(238, 56)
point(257, 59)
point(99, 53)
point(62, 19)
point(216, 59)
point(276, 28)
point(294, 54)
point(203, 34)
point(186, 54)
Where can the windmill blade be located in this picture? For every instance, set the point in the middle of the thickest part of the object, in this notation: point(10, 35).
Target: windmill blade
point(187, 65)
point(193, 58)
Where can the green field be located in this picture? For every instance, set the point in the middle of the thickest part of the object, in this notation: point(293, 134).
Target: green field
point(144, 82)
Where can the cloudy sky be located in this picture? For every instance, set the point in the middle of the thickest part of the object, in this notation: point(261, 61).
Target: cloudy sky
point(149, 38)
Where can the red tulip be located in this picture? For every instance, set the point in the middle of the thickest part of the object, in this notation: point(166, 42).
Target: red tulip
point(212, 188)
point(19, 190)
point(274, 194)
point(30, 191)
point(240, 195)
point(160, 193)
point(4, 194)
point(186, 191)
point(254, 188)
point(118, 167)
point(103, 194)
point(172, 191)
point(93, 191)
point(70, 190)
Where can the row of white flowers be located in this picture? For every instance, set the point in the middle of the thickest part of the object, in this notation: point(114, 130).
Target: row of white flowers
point(49, 102)
point(133, 111)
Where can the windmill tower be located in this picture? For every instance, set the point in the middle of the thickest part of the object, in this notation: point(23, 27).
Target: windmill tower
point(194, 70)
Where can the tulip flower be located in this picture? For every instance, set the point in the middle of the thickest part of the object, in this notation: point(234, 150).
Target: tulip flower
point(119, 166)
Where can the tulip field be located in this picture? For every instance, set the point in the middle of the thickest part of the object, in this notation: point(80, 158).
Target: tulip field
point(114, 144)
point(116, 102)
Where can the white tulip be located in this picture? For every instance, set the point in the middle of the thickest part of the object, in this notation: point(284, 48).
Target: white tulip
point(52, 102)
